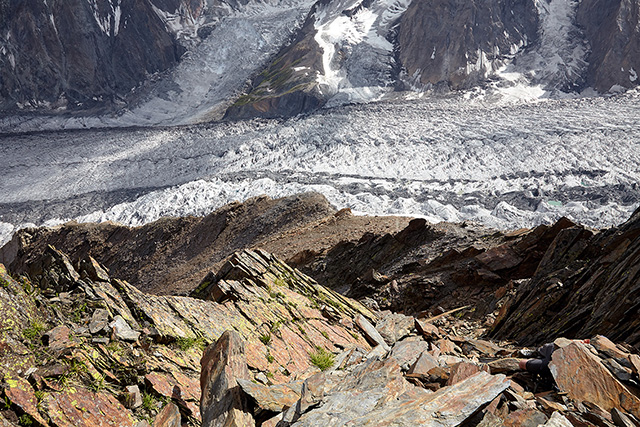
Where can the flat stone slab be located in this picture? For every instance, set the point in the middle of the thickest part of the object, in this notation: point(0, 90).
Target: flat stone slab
point(275, 398)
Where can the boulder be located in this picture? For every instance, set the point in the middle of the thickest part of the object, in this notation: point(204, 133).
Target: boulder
point(395, 326)
point(99, 321)
point(510, 364)
point(132, 397)
point(122, 331)
point(449, 406)
point(408, 351)
point(463, 370)
point(223, 403)
point(57, 339)
point(423, 367)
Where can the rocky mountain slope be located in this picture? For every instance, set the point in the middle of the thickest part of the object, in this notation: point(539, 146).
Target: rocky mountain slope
point(82, 348)
point(89, 55)
point(371, 48)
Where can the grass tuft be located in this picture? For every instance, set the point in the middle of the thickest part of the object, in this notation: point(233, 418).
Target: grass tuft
point(322, 358)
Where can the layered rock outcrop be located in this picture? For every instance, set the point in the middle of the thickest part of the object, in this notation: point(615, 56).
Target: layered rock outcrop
point(441, 379)
point(585, 284)
point(80, 348)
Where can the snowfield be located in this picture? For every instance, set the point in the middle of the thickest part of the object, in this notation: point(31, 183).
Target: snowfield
point(452, 159)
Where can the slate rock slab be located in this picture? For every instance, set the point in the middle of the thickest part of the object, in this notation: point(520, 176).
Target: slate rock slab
point(580, 373)
point(223, 403)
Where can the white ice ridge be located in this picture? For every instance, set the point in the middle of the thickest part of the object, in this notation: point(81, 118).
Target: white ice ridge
point(202, 197)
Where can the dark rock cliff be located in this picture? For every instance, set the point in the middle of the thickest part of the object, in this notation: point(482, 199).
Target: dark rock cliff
point(76, 53)
point(437, 39)
point(613, 30)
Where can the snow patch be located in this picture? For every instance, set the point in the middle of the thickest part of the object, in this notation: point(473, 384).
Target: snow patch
point(357, 57)
point(6, 232)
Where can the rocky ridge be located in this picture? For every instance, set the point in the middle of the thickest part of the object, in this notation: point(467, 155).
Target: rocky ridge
point(398, 264)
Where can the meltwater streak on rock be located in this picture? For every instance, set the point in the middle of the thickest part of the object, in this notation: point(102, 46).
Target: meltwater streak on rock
point(475, 152)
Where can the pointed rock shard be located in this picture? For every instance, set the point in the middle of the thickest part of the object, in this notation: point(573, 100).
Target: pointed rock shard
point(222, 402)
point(620, 419)
point(370, 332)
point(428, 330)
point(132, 397)
point(168, 417)
point(122, 330)
point(634, 360)
point(463, 370)
point(581, 374)
point(607, 347)
point(90, 268)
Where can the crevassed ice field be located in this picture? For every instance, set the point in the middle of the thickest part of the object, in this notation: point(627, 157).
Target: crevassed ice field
point(447, 159)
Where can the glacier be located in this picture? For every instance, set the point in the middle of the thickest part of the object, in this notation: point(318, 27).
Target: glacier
point(443, 158)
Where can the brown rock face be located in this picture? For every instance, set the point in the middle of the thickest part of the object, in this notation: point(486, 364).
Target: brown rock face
point(611, 27)
point(168, 417)
point(578, 372)
point(287, 86)
point(222, 402)
point(438, 38)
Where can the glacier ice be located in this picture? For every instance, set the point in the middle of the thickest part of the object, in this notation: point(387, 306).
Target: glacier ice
point(443, 158)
